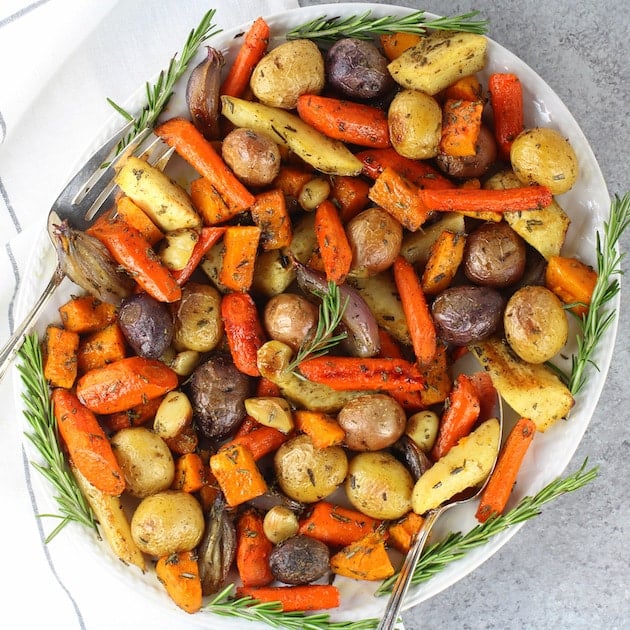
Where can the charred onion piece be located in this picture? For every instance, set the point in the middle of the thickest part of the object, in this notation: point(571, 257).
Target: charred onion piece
point(358, 320)
point(86, 261)
point(202, 94)
point(412, 456)
point(217, 549)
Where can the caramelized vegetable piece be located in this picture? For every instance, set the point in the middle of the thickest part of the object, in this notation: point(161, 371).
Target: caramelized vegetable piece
point(202, 94)
point(179, 574)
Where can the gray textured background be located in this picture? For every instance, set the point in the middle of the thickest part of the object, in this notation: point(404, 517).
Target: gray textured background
point(569, 568)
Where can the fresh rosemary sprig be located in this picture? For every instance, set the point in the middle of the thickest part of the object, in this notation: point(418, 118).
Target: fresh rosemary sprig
point(364, 26)
point(159, 93)
point(39, 414)
point(456, 545)
point(597, 321)
point(272, 615)
point(331, 310)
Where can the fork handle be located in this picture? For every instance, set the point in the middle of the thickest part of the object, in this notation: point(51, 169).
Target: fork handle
point(390, 616)
point(11, 348)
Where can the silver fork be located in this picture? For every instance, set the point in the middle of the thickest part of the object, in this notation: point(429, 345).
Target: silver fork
point(80, 203)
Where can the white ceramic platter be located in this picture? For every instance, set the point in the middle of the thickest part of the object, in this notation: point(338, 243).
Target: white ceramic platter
point(588, 206)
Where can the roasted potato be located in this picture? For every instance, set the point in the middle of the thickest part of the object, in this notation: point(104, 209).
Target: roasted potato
point(273, 273)
point(290, 318)
point(372, 422)
point(288, 71)
point(271, 411)
point(173, 415)
point(415, 124)
point(378, 485)
point(299, 560)
point(422, 427)
point(253, 156)
point(543, 156)
point(466, 465)
point(280, 523)
point(536, 324)
point(532, 390)
point(198, 323)
point(166, 203)
point(306, 473)
point(438, 60)
point(167, 522)
point(145, 459)
point(375, 238)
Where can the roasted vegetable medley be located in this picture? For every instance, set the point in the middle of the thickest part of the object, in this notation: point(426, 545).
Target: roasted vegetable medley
point(258, 384)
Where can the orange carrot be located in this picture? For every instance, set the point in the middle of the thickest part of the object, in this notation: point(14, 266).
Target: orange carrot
point(190, 473)
point(506, 100)
point(444, 259)
point(572, 281)
point(265, 387)
point(417, 313)
point(190, 144)
point(344, 373)
point(179, 574)
point(348, 121)
point(410, 401)
point(86, 442)
point(350, 195)
point(470, 199)
point(365, 559)
point(497, 492)
point(323, 429)
point(251, 52)
point(260, 440)
point(291, 179)
point(134, 417)
point(208, 237)
point(239, 256)
point(461, 124)
point(102, 347)
point(85, 314)
point(124, 384)
point(269, 213)
point(486, 392)
point(253, 549)
point(133, 215)
point(335, 525)
point(460, 414)
point(237, 474)
point(209, 203)
point(400, 198)
point(132, 251)
point(437, 378)
point(243, 330)
point(395, 44)
point(402, 531)
point(419, 173)
point(294, 598)
point(467, 88)
point(333, 243)
point(60, 349)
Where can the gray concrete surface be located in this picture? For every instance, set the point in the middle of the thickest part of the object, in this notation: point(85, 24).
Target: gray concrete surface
point(569, 568)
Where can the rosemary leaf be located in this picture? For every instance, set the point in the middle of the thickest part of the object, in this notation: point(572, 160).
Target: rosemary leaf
point(43, 435)
point(159, 93)
point(364, 26)
point(331, 310)
point(597, 320)
point(456, 545)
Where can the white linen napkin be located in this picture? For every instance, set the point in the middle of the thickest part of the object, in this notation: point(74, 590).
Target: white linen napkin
point(60, 59)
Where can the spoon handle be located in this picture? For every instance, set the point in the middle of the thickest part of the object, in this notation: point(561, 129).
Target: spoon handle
point(388, 621)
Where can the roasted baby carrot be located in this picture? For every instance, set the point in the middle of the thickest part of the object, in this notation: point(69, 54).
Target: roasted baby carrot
point(251, 52)
point(506, 100)
point(294, 598)
point(497, 492)
point(333, 243)
point(348, 121)
point(133, 215)
point(253, 549)
point(322, 428)
point(179, 574)
point(445, 257)
point(336, 525)
point(190, 144)
point(572, 281)
point(132, 251)
point(350, 195)
point(486, 392)
point(124, 384)
point(400, 198)
point(474, 200)
point(365, 559)
point(437, 378)
point(239, 256)
point(418, 172)
point(269, 213)
point(243, 330)
point(459, 417)
point(344, 373)
point(461, 124)
point(207, 238)
point(86, 442)
point(260, 440)
point(60, 353)
point(417, 313)
point(134, 417)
